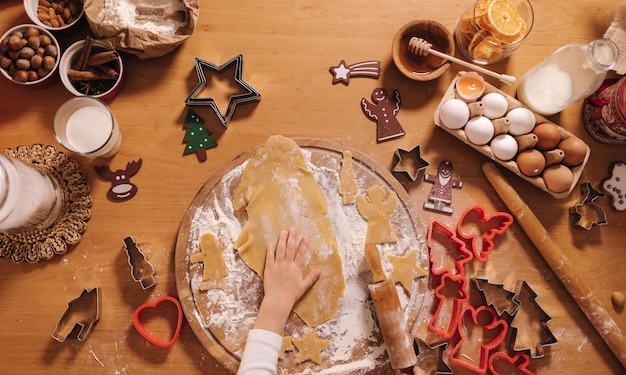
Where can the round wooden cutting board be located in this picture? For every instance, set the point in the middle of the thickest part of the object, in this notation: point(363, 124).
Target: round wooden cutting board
point(221, 318)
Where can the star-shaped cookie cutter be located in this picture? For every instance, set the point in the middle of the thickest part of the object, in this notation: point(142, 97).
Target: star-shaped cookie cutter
point(249, 93)
point(587, 212)
point(413, 166)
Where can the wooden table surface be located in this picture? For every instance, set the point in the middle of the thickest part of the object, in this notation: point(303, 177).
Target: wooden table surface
point(288, 48)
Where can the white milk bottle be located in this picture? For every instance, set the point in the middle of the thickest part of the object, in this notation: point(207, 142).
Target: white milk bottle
point(570, 74)
point(30, 199)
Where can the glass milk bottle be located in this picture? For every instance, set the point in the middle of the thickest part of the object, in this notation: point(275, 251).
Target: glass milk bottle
point(569, 75)
point(30, 199)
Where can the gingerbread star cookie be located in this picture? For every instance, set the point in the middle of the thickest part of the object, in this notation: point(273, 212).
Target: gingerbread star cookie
point(310, 347)
point(405, 269)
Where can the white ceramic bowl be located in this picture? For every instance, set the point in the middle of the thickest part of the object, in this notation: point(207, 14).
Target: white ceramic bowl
point(45, 80)
point(30, 6)
point(71, 55)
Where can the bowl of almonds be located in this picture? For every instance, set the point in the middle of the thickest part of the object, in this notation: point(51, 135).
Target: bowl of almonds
point(58, 16)
point(29, 55)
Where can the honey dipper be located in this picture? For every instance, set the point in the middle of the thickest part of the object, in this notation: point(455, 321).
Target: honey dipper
point(421, 47)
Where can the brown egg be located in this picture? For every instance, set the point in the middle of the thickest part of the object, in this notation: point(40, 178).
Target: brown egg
point(558, 178)
point(548, 134)
point(575, 151)
point(531, 162)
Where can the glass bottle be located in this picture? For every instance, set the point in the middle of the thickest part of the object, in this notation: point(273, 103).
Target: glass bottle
point(30, 199)
point(569, 75)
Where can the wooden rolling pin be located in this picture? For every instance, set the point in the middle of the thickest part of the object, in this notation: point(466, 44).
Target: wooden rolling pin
point(560, 264)
point(389, 312)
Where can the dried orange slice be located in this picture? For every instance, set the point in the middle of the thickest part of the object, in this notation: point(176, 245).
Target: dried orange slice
point(504, 18)
point(487, 50)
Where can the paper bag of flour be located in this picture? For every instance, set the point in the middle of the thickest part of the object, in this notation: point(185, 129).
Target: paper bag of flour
point(146, 28)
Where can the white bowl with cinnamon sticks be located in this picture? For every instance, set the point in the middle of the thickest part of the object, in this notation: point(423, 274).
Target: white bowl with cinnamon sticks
point(93, 68)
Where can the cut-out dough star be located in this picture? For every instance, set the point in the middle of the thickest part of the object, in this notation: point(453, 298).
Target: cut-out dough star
point(310, 347)
point(405, 269)
point(410, 162)
point(248, 92)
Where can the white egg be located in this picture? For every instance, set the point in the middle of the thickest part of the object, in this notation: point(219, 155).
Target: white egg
point(504, 147)
point(522, 120)
point(495, 105)
point(479, 130)
point(454, 113)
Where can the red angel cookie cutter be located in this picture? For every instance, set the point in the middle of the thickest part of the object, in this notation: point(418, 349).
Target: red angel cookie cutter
point(491, 335)
point(478, 229)
point(146, 334)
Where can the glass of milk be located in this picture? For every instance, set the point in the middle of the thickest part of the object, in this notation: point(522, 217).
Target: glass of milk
point(30, 199)
point(87, 127)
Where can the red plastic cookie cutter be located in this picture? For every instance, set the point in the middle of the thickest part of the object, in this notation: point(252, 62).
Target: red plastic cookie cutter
point(451, 293)
point(492, 334)
point(442, 239)
point(501, 364)
point(146, 334)
point(478, 229)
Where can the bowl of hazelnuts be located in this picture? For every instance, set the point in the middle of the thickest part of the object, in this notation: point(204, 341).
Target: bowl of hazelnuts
point(29, 55)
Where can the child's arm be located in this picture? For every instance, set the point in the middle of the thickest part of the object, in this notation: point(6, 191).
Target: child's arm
point(283, 280)
point(284, 284)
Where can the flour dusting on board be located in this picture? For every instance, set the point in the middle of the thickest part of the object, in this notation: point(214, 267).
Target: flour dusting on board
point(356, 341)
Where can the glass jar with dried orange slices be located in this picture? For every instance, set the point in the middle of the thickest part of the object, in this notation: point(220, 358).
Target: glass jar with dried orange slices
point(490, 30)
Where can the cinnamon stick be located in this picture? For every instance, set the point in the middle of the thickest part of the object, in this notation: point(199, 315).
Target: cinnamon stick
point(86, 75)
point(102, 58)
point(81, 63)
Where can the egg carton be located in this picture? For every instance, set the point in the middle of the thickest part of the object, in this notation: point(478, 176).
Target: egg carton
point(511, 164)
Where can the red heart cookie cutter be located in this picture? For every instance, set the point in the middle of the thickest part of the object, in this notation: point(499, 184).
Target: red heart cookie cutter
point(147, 335)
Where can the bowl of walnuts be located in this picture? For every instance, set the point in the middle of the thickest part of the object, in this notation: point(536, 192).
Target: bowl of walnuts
point(29, 55)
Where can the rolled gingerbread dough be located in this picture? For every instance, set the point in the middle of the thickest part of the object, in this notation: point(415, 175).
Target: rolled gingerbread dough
point(279, 191)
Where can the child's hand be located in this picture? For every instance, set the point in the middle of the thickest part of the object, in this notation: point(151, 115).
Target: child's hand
point(284, 284)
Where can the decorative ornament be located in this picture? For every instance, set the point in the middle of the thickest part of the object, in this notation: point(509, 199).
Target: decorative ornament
point(197, 136)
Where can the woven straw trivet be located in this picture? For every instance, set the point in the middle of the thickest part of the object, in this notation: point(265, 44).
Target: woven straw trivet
point(46, 243)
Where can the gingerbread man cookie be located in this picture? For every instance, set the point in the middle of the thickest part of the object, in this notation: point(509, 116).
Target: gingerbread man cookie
point(441, 194)
point(212, 258)
point(377, 208)
point(384, 112)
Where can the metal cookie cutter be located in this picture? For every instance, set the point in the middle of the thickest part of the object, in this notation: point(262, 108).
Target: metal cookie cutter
point(83, 311)
point(412, 164)
point(587, 212)
point(141, 270)
point(248, 92)
point(528, 306)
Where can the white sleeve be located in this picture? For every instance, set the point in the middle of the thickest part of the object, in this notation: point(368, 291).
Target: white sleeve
point(260, 356)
